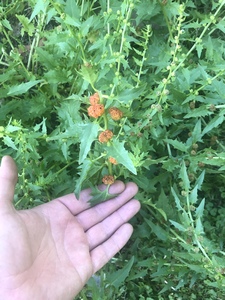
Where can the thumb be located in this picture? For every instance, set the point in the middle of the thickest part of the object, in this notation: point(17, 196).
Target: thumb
point(8, 179)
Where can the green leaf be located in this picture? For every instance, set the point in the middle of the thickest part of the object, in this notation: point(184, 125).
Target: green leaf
point(41, 126)
point(199, 229)
point(6, 24)
point(158, 231)
point(88, 135)
point(89, 74)
point(200, 209)
point(184, 177)
point(221, 25)
point(177, 145)
point(196, 134)
point(178, 226)
point(11, 128)
point(160, 210)
point(86, 26)
point(117, 278)
point(40, 6)
point(22, 88)
point(9, 142)
point(200, 180)
point(99, 196)
point(177, 200)
point(199, 49)
point(193, 197)
point(201, 111)
point(64, 148)
point(215, 122)
point(47, 59)
point(118, 151)
point(128, 95)
point(72, 9)
point(85, 167)
point(70, 21)
point(27, 26)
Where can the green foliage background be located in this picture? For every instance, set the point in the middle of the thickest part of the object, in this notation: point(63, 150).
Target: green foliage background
point(162, 63)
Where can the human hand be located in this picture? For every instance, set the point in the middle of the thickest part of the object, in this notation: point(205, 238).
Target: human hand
point(50, 251)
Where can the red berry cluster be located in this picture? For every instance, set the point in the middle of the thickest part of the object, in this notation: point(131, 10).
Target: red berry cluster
point(105, 136)
point(96, 110)
point(108, 179)
point(115, 113)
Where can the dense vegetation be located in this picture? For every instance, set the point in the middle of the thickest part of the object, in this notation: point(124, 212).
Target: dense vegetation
point(161, 65)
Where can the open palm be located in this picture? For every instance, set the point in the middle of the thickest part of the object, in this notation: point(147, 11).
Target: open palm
point(50, 251)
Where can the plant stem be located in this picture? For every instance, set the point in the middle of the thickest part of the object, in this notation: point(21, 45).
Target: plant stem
point(11, 45)
point(166, 19)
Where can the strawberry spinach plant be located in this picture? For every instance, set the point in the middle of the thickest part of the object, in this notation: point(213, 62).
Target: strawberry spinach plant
point(94, 91)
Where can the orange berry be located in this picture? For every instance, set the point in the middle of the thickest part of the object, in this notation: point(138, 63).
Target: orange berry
point(108, 179)
point(94, 99)
point(96, 110)
point(113, 160)
point(105, 136)
point(115, 113)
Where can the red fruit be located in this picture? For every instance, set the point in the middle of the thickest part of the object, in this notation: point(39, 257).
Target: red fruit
point(96, 110)
point(108, 179)
point(94, 99)
point(115, 113)
point(105, 136)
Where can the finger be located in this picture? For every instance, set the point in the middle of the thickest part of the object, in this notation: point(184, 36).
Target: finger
point(104, 252)
point(96, 214)
point(77, 206)
point(8, 179)
point(103, 230)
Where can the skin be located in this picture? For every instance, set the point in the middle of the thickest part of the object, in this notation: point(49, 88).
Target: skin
point(50, 251)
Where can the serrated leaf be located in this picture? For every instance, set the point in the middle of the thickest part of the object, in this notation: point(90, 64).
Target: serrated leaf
point(89, 134)
point(178, 226)
point(83, 176)
point(9, 142)
point(199, 210)
point(137, 61)
point(117, 278)
point(100, 196)
point(138, 52)
point(46, 58)
point(12, 128)
point(118, 151)
point(184, 177)
point(41, 126)
point(72, 9)
point(40, 6)
point(64, 149)
point(197, 132)
point(22, 88)
point(199, 227)
point(158, 231)
point(198, 112)
point(216, 121)
point(6, 24)
point(70, 21)
point(200, 180)
point(221, 25)
point(161, 211)
point(177, 200)
point(128, 95)
point(199, 49)
point(27, 26)
point(89, 74)
point(193, 197)
point(86, 25)
point(177, 145)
